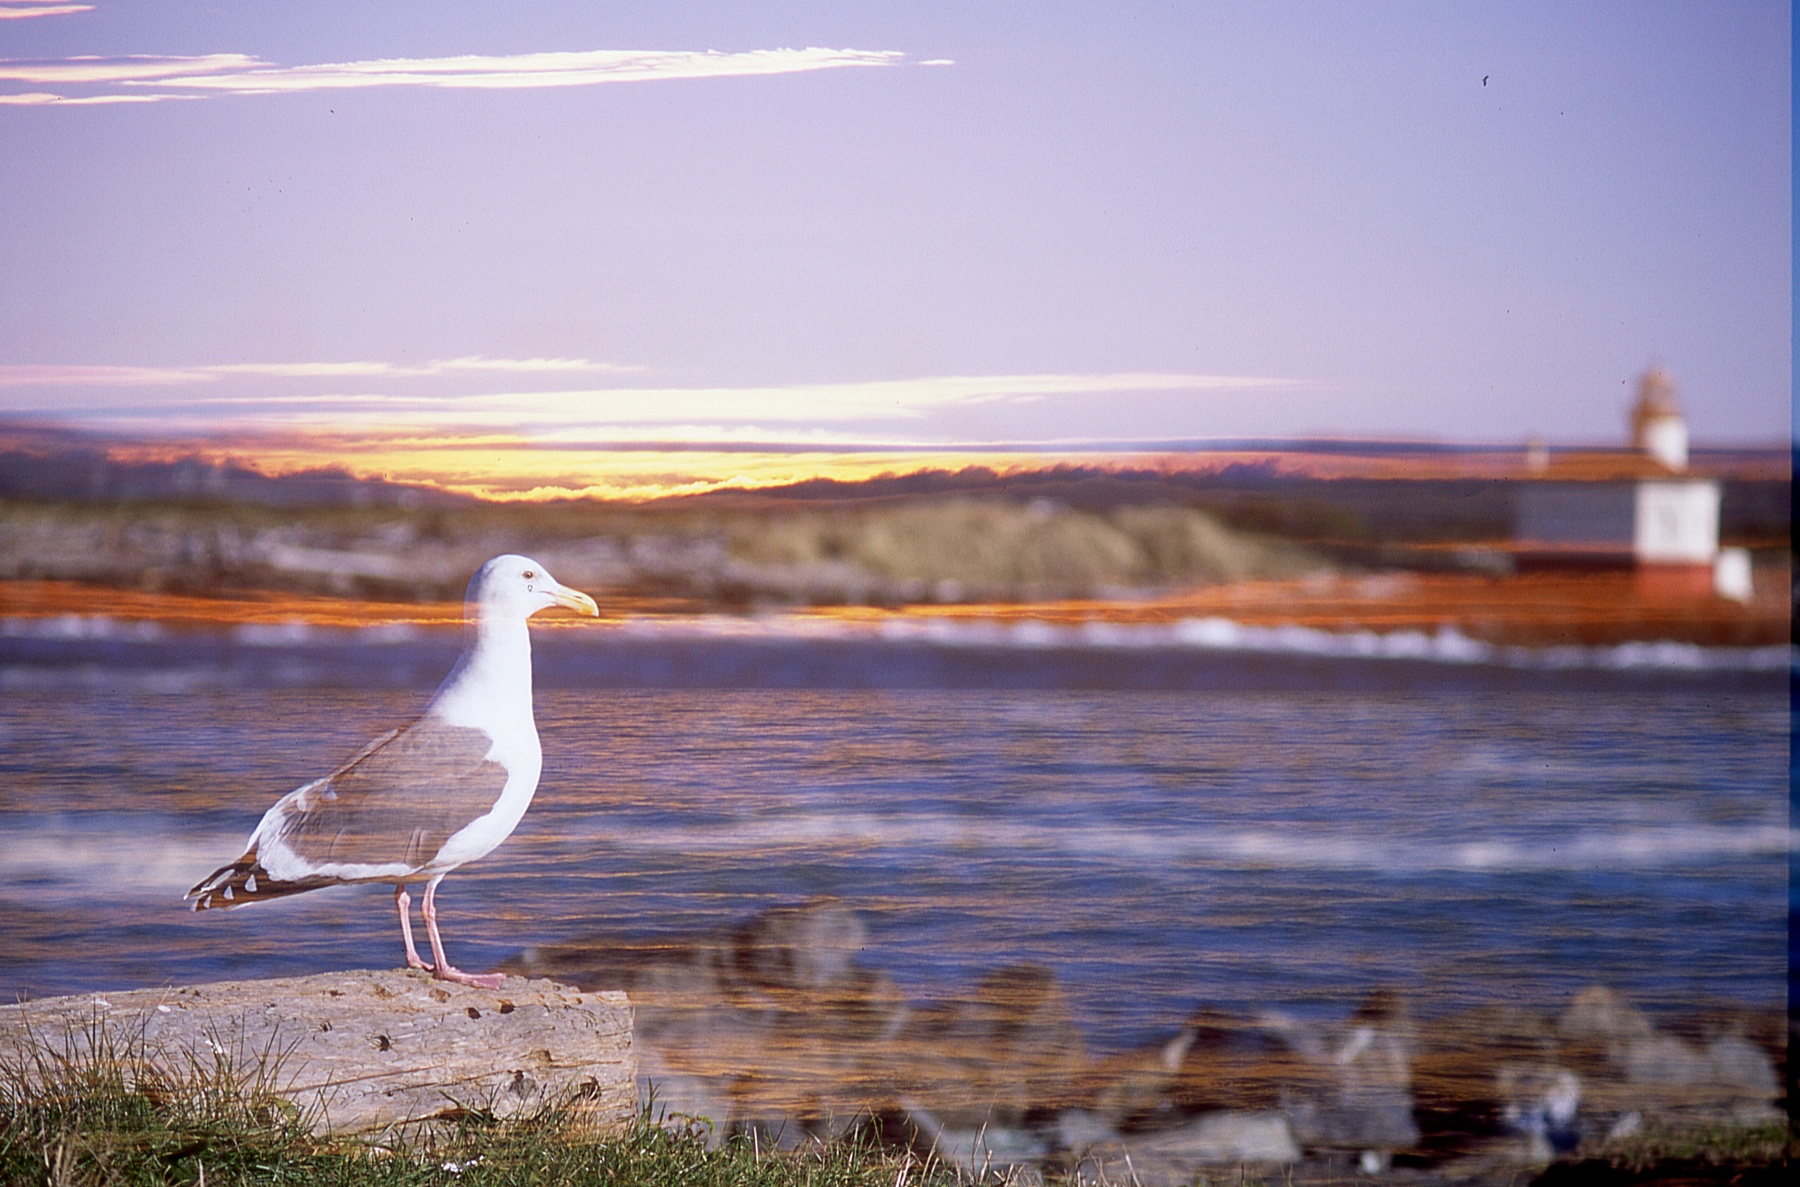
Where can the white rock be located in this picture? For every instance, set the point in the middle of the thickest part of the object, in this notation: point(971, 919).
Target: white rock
point(1227, 1137)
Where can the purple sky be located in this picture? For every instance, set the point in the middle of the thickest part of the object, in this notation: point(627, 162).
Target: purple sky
point(965, 223)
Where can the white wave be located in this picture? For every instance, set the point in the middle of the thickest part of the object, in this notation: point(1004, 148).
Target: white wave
point(299, 633)
point(109, 863)
point(1211, 634)
point(156, 863)
point(1447, 645)
point(293, 632)
point(82, 626)
point(277, 634)
point(1150, 848)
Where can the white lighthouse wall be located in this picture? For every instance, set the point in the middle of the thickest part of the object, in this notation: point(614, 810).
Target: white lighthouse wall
point(1665, 438)
point(1677, 523)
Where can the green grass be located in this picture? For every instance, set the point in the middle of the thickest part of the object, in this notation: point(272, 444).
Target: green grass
point(1718, 1143)
point(117, 1122)
point(132, 1137)
point(100, 1112)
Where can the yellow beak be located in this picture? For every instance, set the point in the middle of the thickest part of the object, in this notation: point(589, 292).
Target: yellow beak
point(575, 600)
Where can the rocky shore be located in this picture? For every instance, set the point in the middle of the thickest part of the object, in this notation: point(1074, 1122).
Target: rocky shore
point(776, 1029)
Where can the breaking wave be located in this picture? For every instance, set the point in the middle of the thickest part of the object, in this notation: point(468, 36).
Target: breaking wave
point(1448, 645)
point(1147, 848)
point(166, 865)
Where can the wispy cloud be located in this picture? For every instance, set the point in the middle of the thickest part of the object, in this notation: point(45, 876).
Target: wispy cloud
point(468, 364)
point(81, 375)
point(243, 74)
point(431, 399)
point(828, 404)
point(47, 98)
point(12, 10)
point(135, 68)
point(58, 375)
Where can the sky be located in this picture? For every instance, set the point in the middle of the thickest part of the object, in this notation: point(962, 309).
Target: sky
point(542, 248)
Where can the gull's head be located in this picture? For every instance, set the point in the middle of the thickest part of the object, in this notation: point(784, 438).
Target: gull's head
point(518, 587)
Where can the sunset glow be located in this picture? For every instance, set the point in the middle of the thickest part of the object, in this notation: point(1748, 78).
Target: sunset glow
point(562, 427)
point(507, 468)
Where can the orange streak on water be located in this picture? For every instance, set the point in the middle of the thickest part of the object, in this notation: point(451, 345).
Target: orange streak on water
point(57, 599)
point(1530, 609)
point(53, 599)
point(1533, 609)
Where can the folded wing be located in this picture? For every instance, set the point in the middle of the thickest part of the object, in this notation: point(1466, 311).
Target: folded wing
point(383, 816)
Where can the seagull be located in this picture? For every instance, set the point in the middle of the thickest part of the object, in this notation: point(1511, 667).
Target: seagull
point(419, 801)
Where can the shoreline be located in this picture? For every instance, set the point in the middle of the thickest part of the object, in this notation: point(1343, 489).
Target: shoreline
point(1531, 611)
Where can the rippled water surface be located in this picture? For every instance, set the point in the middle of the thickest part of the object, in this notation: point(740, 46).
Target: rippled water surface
point(1290, 842)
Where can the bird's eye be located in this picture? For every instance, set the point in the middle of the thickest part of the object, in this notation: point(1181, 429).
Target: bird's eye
point(529, 574)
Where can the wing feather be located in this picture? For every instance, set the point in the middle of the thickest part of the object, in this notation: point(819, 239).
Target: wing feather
point(396, 802)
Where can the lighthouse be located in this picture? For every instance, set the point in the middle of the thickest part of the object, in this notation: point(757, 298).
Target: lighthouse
point(1657, 426)
point(1639, 507)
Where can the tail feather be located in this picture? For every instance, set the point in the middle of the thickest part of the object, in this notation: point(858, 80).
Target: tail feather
point(245, 881)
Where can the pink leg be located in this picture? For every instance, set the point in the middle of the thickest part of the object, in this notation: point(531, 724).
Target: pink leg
point(403, 901)
point(445, 970)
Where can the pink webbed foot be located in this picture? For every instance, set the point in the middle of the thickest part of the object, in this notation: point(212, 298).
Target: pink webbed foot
point(445, 970)
point(479, 980)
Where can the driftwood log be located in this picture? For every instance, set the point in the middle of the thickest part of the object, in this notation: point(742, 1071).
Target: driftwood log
point(353, 1051)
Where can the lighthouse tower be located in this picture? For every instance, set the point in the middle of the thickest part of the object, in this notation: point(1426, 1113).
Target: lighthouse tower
point(1657, 426)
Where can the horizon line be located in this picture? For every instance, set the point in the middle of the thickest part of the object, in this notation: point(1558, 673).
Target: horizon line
point(288, 436)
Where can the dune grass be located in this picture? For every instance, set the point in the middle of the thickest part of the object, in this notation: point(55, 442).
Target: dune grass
point(944, 549)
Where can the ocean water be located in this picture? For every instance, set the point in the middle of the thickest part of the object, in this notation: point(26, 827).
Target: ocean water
point(1238, 821)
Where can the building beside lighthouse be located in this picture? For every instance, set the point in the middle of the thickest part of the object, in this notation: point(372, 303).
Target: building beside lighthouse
point(1639, 507)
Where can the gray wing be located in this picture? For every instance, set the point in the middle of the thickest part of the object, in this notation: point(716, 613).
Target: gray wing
point(397, 801)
